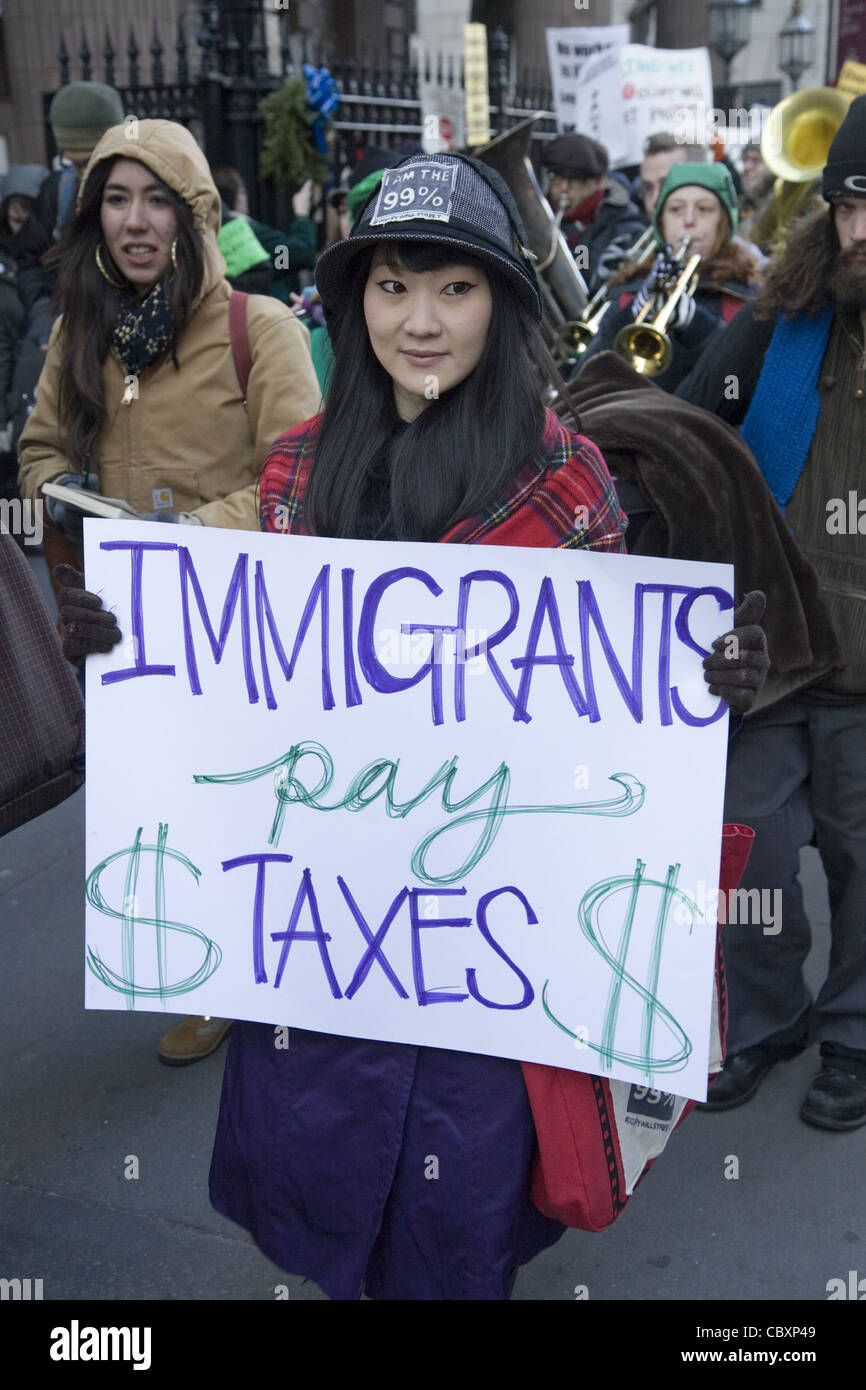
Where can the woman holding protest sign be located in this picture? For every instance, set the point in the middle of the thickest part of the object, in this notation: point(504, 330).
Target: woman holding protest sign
point(396, 1170)
point(139, 397)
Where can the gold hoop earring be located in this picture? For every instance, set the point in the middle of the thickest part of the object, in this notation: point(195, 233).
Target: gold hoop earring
point(103, 272)
point(174, 253)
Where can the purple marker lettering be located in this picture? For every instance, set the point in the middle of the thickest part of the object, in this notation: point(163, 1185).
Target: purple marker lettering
point(487, 645)
point(264, 615)
point(546, 605)
point(306, 893)
point(632, 694)
point(725, 601)
point(374, 672)
point(353, 693)
point(424, 995)
point(481, 919)
point(436, 666)
point(260, 860)
point(141, 667)
point(238, 589)
point(374, 947)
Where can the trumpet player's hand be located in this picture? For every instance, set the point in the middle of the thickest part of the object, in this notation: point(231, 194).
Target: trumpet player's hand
point(664, 267)
point(683, 313)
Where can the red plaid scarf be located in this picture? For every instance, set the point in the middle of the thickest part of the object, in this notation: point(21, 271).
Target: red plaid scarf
point(564, 499)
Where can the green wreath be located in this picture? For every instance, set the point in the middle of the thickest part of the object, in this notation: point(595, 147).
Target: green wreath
point(289, 153)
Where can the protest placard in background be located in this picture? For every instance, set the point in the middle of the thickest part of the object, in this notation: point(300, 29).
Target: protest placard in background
point(475, 84)
point(438, 794)
point(623, 99)
point(568, 51)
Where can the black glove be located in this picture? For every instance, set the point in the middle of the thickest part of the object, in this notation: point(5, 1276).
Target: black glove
point(63, 515)
point(740, 661)
point(88, 627)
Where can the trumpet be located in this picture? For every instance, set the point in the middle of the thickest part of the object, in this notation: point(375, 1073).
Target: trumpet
point(644, 344)
point(572, 339)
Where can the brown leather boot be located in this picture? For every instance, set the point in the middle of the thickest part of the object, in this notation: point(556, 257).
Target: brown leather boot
point(194, 1038)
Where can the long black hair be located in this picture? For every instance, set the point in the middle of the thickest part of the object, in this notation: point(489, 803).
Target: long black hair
point(91, 305)
point(461, 452)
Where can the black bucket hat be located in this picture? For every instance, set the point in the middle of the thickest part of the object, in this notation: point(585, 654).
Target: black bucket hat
point(445, 198)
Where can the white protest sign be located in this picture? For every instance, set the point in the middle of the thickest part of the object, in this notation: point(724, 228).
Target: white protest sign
point(648, 90)
point(568, 51)
point(599, 106)
point(458, 796)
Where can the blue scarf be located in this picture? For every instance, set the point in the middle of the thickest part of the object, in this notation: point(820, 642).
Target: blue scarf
point(781, 419)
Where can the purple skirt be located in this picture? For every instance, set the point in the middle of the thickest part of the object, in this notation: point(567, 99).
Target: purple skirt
point(397, 1170)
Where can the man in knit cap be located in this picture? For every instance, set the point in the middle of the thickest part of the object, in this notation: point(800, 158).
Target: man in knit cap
point(595, 209)
point(80, 114)
point(790, 372)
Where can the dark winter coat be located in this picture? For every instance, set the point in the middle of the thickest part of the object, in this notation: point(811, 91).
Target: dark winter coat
point(708, 501)
point(12, 321)
point(299, 241)
point(616, 216)
point(38, 235)
point(724, 378)
point(324, 1148)
point(724, 381)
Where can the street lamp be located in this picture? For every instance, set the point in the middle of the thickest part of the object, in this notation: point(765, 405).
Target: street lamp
point(797, 44)
point(729, 31)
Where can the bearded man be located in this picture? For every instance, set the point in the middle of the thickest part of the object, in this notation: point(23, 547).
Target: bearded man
point(790, 371)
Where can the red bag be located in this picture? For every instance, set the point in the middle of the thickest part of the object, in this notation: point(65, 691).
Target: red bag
point(580, 1176)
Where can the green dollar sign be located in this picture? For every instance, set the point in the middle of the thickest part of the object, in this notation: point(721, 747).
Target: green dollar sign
point(587, 914)
point(124, 981)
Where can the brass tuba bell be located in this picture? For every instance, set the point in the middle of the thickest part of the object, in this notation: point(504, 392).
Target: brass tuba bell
point(795, 143)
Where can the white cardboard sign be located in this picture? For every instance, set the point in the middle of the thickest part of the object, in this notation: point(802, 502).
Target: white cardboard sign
point(626, 95)
point(568, 53)
point(439, 794)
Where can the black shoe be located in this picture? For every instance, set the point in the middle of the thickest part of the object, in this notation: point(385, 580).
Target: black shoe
point(744, 1072)
point(836, 1099)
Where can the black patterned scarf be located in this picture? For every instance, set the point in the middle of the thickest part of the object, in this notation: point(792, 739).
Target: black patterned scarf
point(143, 329)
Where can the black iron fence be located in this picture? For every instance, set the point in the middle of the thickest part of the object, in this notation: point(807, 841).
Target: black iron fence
point(218, 79)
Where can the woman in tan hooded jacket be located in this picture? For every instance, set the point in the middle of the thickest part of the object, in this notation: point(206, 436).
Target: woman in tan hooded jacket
point(139, 397)
point(174, 433)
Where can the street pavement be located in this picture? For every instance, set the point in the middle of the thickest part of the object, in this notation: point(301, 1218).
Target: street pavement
point(83, 1093)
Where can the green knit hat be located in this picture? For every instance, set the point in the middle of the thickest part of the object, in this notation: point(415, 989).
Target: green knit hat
point(358, 195)
point(81, 113)
point(714, 177)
